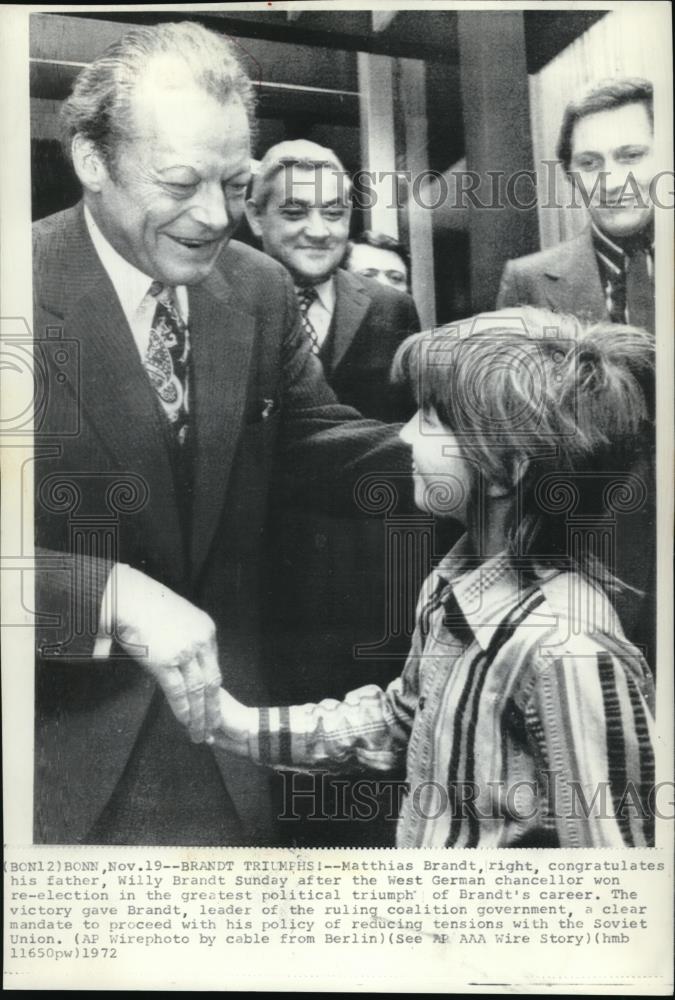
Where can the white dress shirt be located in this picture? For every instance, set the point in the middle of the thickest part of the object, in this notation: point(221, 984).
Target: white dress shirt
point(320, 313)
point(132, 287)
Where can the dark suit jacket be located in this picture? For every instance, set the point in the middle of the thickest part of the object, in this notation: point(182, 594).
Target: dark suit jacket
point(564, 278)
point(105, 493)
point(328, 589)
point(369, 323)
point(327, 581)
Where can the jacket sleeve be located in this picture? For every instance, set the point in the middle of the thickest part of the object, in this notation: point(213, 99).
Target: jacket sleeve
point(69, 591)
point(328, 449)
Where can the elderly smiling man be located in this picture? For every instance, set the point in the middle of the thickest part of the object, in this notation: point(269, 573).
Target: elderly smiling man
point(300, 208)
point(194, 379)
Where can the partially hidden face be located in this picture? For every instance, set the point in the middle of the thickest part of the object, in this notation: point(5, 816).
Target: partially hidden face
point(442, 477)
point(304, 223)
point(613, 161)
point(380, 264)
point(177, 188)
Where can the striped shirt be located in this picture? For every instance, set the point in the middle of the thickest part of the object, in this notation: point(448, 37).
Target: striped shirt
point(614, 262)
point(525, 714)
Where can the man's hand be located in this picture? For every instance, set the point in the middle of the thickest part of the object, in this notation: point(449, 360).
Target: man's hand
point(237, 723)
point(179, 646)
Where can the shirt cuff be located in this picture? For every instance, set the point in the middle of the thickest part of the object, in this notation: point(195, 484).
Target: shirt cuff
point(104, 638)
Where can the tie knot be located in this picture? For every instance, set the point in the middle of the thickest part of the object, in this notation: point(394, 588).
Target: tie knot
point(163, 293)
point(306, 296)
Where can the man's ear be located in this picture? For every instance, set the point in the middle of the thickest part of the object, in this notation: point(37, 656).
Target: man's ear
point(89, 165)
point(253, 217)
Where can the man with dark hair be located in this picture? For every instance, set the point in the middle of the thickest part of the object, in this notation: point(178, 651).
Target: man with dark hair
point(154, 458)
point(606, 148)
point(379, 256)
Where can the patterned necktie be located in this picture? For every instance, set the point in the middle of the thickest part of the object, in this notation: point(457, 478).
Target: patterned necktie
point(305, 298)
point(167, 359)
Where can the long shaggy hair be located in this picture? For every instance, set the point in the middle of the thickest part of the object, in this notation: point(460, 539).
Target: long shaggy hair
point(545, 408)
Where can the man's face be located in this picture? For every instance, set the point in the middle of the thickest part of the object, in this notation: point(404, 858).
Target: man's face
point(383, 265)
point(305, 223)
point(178, 186)
point(613, 159)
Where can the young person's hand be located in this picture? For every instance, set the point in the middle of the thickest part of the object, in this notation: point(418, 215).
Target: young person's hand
point(237, 723)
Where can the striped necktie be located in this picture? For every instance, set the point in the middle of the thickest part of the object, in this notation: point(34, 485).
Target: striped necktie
point(306, 296)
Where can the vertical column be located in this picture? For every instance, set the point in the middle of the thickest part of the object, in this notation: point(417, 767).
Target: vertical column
point(413, 99)
point(379, 143)
point(378, 148)
point(495, 100)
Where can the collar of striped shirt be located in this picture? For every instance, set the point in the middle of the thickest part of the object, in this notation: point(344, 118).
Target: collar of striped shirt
point(613, 255)
point(485, 590)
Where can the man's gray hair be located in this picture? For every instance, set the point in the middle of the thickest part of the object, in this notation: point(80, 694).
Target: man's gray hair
point(290, 153)
point(99, 106)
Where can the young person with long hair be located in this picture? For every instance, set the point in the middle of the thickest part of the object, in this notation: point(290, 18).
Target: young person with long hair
point(525, 713)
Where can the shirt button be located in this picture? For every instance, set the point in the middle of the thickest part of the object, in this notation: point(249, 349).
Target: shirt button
point(421, 703)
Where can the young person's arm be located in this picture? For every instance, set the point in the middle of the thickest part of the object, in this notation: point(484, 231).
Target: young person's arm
point(368, 728)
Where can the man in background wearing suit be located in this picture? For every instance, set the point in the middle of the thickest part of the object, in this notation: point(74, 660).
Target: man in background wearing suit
point(606, 147)
point(329, 581)
point(195, 379)
point(300, 208)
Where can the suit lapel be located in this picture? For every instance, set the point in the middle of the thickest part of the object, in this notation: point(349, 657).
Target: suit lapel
point(121, 403)
point(351, 305)
point(222, 336)
point(573, 280)
point(116, 394)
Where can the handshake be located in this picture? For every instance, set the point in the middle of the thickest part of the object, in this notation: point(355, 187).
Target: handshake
point(176, 643)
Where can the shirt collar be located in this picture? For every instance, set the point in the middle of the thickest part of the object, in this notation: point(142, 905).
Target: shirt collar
point(130, 284)
point(486, 590)
point(325, 293)
point(613, 253)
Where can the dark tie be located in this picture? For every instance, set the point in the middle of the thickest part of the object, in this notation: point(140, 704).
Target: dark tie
point(305, 298)
point(167, 359)
point(639, 290)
